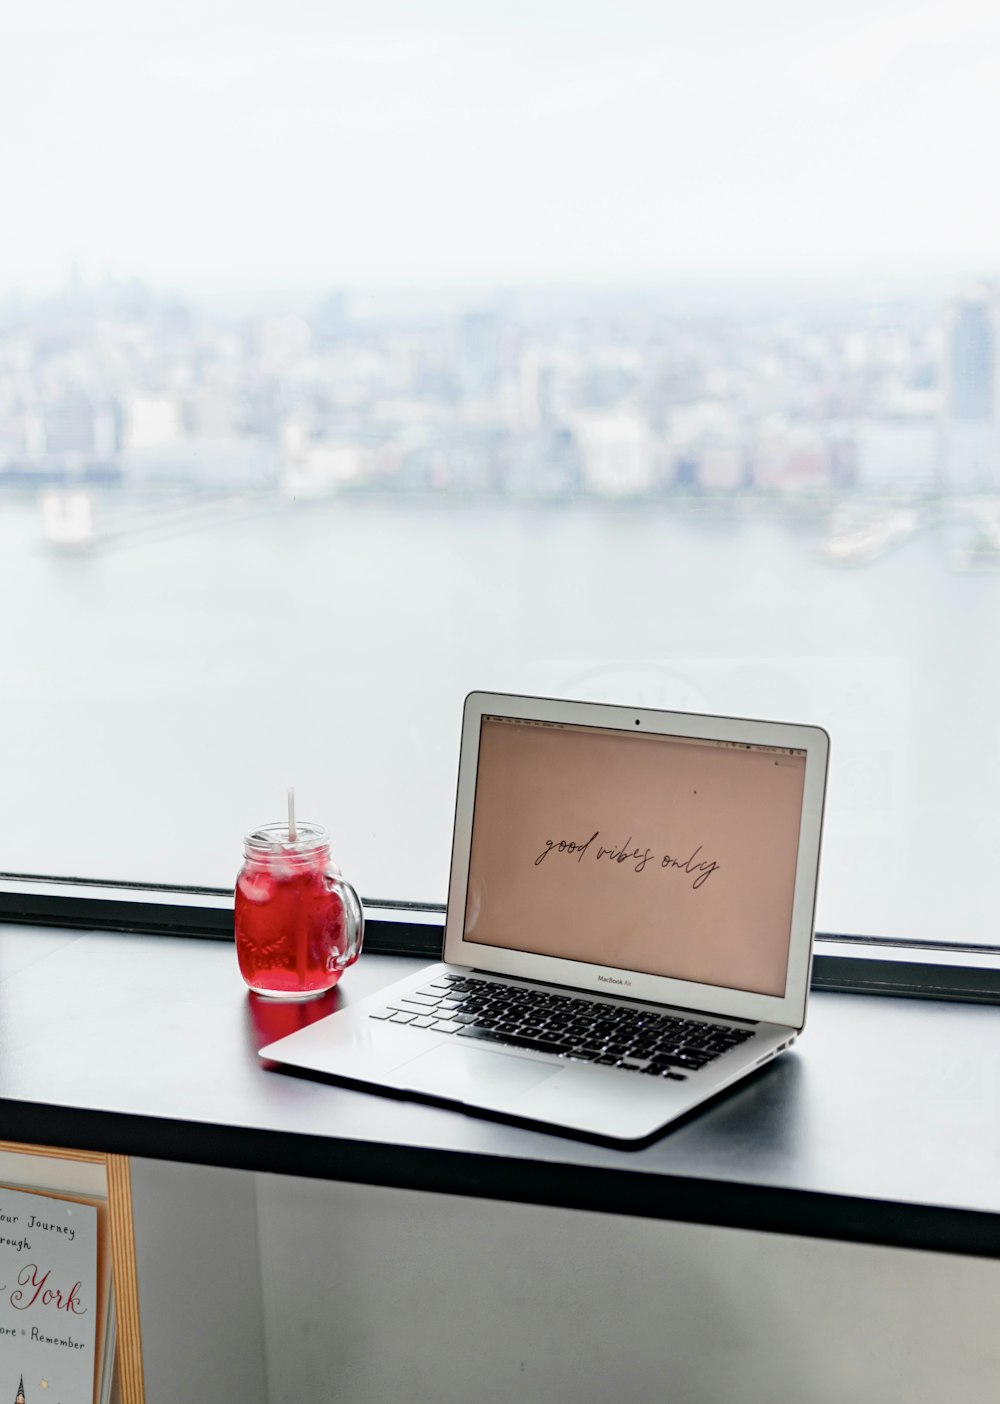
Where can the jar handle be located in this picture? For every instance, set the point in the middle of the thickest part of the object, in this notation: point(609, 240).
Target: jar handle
point(354, 920)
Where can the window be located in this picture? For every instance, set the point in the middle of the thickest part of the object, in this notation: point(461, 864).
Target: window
point(354, 358)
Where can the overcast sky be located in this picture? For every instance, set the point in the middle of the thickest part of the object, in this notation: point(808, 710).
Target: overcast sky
point(217, 144)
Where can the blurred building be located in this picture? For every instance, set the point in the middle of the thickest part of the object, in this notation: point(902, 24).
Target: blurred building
point(281, 341)
point(545, 463)
point(69, 424)
point(479, 335)
point(315, 468)
point(969, 438)
point(210, 411)
point(152, 421)
point(896, 456)
point(237, 463)
point(706, 445)
point(722, 465)
point(72, 430)
point(548, 387)
point(617, 452)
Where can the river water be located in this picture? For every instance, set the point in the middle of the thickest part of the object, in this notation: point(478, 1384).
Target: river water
point(158, 696)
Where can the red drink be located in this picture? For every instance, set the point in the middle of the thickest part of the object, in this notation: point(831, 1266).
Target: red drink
point(298, 923)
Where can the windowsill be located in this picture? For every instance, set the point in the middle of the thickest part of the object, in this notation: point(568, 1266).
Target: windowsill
point(842, 964)
point(855, 965)
point(882, 1126)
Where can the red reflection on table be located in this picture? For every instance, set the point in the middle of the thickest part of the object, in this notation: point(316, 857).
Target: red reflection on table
point(272, 1019)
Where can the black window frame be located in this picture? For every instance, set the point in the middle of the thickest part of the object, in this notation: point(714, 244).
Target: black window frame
point(844, 964)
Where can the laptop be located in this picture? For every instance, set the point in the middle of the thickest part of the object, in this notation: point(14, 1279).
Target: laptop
point(629, 926)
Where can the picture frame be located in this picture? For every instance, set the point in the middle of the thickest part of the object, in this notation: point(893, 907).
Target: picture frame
point(103, 1179)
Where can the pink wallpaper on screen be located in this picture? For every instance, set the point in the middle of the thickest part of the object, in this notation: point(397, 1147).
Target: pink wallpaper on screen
point(689, 868)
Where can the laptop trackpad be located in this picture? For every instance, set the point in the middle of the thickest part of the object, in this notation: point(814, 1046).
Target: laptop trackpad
point(466, 1074)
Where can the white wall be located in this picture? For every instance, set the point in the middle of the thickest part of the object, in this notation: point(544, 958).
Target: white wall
point(199, 1284)
point(371, 1295)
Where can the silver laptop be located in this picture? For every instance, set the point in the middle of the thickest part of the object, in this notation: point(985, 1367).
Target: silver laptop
point(629, 925)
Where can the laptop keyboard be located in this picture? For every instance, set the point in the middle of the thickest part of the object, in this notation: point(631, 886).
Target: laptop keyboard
point(641, 1040)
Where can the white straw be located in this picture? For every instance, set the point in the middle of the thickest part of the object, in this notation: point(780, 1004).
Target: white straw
point(292, 833)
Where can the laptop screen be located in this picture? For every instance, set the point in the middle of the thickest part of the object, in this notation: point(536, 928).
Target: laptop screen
point(662, 855)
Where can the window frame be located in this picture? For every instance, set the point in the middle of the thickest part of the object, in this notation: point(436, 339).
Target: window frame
point(842, 964)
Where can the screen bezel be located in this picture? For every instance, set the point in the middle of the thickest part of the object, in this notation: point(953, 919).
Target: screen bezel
point(609, 980)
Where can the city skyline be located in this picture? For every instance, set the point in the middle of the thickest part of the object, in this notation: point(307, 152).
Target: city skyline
point(612, 394)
